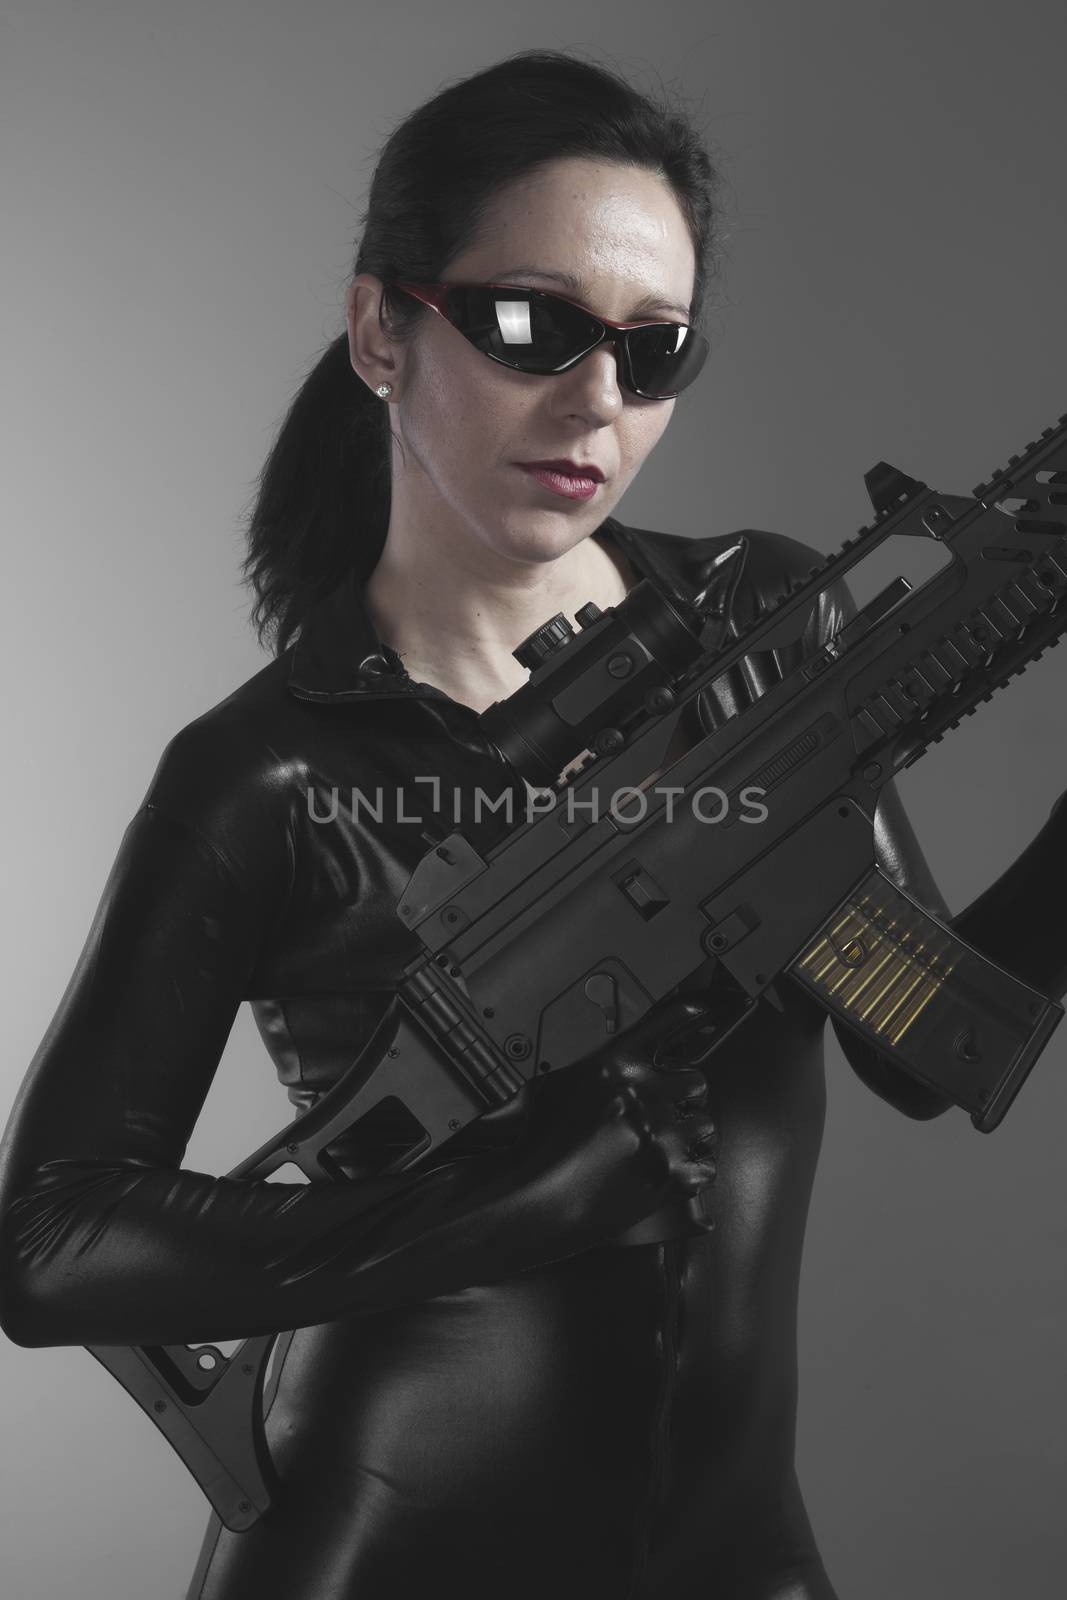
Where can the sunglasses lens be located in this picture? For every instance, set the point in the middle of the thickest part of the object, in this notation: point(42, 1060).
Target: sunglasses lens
point(664, 360)
point(530, 331)
point(537, 332)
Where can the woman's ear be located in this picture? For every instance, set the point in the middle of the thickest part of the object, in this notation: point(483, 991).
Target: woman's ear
point(375, 357)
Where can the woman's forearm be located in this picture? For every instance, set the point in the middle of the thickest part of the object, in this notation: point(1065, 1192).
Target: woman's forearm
point(1020, 921)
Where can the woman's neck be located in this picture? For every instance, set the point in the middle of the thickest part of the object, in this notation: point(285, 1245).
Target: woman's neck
point(455, 615)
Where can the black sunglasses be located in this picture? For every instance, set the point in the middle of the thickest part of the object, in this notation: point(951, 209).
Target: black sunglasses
point(537, 332)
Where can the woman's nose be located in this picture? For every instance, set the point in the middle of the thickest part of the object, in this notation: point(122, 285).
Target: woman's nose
point(592, 387)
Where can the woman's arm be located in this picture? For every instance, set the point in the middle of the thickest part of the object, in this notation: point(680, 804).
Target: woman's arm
point(106, 1239)
point(1020, 921)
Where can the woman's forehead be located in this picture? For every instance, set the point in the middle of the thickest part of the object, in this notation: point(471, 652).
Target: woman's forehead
point(575, 225)
point(578, 286)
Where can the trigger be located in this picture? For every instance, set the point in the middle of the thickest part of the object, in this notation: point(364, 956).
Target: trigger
point(602, 990)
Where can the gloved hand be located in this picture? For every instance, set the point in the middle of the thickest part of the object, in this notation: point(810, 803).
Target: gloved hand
point(591, 1148)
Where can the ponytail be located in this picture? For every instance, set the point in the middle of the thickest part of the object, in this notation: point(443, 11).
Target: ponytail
point(322, 501)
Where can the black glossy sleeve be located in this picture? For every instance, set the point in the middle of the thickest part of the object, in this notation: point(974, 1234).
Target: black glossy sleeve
point(104, 1237)
point(1018, 921)
point(1021, 919)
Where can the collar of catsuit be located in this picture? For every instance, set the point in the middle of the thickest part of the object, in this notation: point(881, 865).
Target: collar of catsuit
point(338, 654)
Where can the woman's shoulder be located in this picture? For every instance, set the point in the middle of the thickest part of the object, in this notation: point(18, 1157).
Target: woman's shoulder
point(230, 772)
point(776, 563)
point(772, 561)
point(771, 565)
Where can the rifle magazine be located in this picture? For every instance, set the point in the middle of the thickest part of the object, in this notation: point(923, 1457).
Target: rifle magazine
point(925, 999)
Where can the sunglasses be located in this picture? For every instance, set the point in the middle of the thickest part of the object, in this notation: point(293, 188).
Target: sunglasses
point(532, 331)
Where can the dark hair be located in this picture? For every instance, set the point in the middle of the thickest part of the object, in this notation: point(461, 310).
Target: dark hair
point(321, 506)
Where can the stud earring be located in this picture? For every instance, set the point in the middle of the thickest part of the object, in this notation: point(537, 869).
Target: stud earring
point(384, 390)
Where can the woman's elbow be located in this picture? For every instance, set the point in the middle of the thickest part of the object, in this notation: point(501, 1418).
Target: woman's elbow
point(42, 1278)
point(27, 1316)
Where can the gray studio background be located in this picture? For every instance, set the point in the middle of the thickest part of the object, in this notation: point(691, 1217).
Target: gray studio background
point(180, 190)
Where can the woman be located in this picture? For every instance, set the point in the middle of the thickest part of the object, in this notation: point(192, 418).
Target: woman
point(486, 1394)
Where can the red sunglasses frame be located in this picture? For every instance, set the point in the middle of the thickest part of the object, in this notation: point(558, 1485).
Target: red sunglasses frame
point(435, 296)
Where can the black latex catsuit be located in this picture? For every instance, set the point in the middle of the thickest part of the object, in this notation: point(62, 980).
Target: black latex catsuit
point(492, 1416)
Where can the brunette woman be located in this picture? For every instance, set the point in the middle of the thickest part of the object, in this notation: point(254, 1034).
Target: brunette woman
point(486, 1396)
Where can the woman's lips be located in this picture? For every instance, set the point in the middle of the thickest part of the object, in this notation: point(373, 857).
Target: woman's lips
point(564, 483)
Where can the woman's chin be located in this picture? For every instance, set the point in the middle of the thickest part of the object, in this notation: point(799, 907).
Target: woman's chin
point(541, 536)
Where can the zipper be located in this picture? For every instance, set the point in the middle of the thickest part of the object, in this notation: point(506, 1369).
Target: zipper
point(670, 1267)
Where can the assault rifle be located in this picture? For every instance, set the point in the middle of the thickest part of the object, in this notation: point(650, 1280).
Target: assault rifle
point(587, 913)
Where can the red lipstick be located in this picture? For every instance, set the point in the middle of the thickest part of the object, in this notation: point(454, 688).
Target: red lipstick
point(574, 480)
